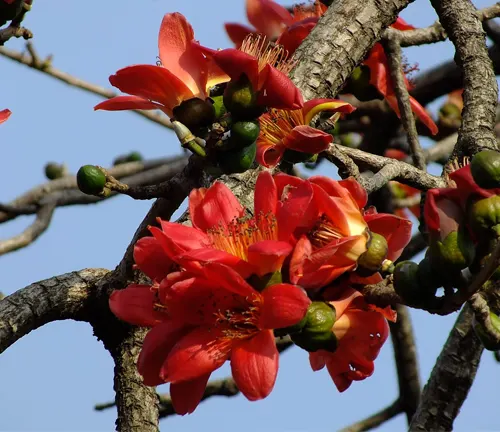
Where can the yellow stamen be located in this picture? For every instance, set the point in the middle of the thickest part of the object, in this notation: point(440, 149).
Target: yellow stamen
point(243, 232)
point(324, 232)
point(267, 53)
point(276, 124)
point(240, 323)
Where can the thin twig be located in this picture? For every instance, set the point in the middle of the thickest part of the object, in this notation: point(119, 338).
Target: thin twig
point(45, 66)
point(394, 57)
point(30, 234)
point(376, 419)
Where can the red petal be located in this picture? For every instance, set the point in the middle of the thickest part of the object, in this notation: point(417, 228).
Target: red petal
point(276, 90)
point(317, 360)
point(396, 230)
point(315, 106)
point(254, 365)
point(157, 344)
point(442, 211)
point(186, 395)
point(284, 305)
point(176, 239)
point(467, 186)
point(179, 57)
point(269, 155)
point(348, 190)
point(152, 82)
point(122, 103)
point(293, 36)
point(357, 191)
point(268, 255)
point(228, 279)
point(379, 70)
point(198, 353)
point(266, 194)
point(151, 259)
point(4, 115)
point(268, 17)
point(307, 139)
point(217, 206)
point(401, 24)
point(237, 32)
point(196, 260)
point(423, 116)
point(134, 305)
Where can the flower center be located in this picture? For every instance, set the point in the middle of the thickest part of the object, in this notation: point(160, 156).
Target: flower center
point(324, 232)
point(267, 53)
point(237, 236)
point(240, 323)
point(276, 124)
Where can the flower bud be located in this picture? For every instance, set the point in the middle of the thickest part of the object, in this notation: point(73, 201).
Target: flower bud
point(219, 106)
point(429, 279)
point(54, 170)
point(294, 156)
point(489, 341)
point(195, 114)
point(485, 213)
point(371, 261)
point(317, 331)
point(454, 253)
point(485, 169)
point(91, 180)
point(240, 99)
point(237, 160)
point(244, 133)
point(131, 157)
point(262, 282)
point(406, 282)
point(450, 115)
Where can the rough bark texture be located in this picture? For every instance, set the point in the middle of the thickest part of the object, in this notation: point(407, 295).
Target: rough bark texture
point(463, 26)
point(450, 379)
point(339, 42)
point(61, 297)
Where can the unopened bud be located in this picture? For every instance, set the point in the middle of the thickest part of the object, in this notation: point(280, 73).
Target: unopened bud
point(244, 133)
point(406, 282)
point(237, 160)
point(372, 259)
point(91, 180)
point(316, 333)
point(54, 170)
point(195, 114)
point(485, 169)
point(489, 341)
point(241, 100)
point(454, 253)
point(485, 213)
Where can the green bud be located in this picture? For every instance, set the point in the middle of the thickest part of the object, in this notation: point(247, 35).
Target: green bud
point(371, 261)
point(244, 133)
point(454, 253)
point(131, 157)
point(237, 160)
point(450, 111)
point(195, 113)
point(91, 180)
point(485, 213)
point(429, 279)
point(317, 331)
point(219, 107)
point(485, 169)
point(54, 170)
point(241, 100)
point(406, 282)
point(489, 342)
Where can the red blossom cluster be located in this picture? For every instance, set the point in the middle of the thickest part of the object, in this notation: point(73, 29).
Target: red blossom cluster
point(221, 287)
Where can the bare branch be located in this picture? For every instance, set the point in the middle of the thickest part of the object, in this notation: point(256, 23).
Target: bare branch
point(30, 234)
point(45, 66)
point(376, 419)
point(451, 378)
point(394, 57)
point(60, 297)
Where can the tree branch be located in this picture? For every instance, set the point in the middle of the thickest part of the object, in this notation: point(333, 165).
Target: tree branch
point(61, 297)
point(375, 420)
point(32, 60)
point(451, 378)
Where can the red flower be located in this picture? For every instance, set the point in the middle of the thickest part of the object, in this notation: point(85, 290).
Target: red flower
point(223, 233)
point(277, 23)
point(4, 115)
point(200, 321)
point(333, 233)
point(361, 330)
point(380, 78)
point(184, 73)
point(282, 129)
point(265, 66)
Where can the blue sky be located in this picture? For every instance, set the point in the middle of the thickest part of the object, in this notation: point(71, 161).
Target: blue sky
point(52, 378)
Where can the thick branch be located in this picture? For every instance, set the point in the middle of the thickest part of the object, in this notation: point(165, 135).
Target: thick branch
point(339, 42)
point(462, 24)
point(60, 297)
point(451, 378)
